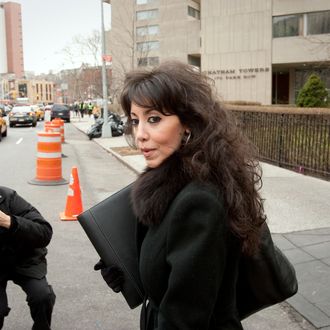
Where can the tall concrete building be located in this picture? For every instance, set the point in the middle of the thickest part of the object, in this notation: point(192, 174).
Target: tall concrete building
point(255, 50)
point(11, 42)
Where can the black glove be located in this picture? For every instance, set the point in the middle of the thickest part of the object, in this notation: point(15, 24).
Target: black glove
point(112, 275)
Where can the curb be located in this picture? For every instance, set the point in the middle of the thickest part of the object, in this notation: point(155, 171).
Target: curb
point(119, 157)
point(113, 153)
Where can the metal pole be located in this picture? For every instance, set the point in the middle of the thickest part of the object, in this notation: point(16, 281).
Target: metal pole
point(106, 129)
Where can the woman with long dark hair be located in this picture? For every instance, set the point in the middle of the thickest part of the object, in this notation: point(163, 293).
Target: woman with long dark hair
point(198, 198)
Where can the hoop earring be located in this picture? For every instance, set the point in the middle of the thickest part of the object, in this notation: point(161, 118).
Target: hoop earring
point(187, 138)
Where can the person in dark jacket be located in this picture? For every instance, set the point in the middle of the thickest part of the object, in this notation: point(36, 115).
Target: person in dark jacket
point(198, 199)
point(24, 235)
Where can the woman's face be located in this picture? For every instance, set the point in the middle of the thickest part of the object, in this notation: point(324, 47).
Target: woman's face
point(156, 135)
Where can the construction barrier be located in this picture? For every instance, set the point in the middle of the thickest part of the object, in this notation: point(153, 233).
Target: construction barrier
point(59, 121)
point(47, 125)
point(49, 160)
point(73, 205)
point(52, 126)
point(47, 115)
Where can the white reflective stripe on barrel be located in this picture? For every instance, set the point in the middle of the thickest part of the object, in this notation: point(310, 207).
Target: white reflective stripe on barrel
point(49, 138)
point(49, 155)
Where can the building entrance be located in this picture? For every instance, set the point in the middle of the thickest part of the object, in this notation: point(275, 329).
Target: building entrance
point(280, 87)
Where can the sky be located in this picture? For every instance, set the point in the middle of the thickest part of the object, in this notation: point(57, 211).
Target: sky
point(50, 25)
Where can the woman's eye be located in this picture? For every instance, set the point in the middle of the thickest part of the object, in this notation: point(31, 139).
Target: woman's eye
point(154, 119)
point(134, 122)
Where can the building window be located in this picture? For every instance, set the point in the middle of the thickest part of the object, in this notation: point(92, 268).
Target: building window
point(194, 12)
point(194, 60)
point(147, 46)
point(287, 26)
point(148, 30)
point(144, 2)
point(22, 90)
point(50, 92)
point(318, 23)
point(146, 14)
point(148, 61)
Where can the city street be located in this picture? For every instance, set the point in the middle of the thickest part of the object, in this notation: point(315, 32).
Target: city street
point(83, 299)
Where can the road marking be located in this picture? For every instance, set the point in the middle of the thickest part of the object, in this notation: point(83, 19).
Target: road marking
point(19, 141)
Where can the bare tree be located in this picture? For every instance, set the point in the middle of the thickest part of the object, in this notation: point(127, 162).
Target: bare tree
point(320, 44)
point(90, 46)
point(85, 80)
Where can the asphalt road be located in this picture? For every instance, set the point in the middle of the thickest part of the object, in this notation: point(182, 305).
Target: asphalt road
point(83, 299)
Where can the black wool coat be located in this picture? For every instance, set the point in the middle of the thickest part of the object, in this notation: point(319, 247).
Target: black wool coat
point(189, 260)
point(23, 246)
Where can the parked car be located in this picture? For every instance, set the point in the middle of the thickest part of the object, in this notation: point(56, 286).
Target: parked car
point(60, 111)
point(39, 112)
point(4, 109)
point(22, 114)
point(3, 127)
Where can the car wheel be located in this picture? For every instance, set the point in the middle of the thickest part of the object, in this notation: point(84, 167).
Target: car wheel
point(68, 120)
point(34, 124)
point(11, 125)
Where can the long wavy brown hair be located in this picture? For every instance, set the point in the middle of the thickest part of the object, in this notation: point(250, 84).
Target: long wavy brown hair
point(217, 151)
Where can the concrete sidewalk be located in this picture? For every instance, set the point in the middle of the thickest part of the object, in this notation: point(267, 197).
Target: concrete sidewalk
point(298, 210)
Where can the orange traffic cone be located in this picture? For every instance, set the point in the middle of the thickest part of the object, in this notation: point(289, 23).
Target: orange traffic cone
point(73, 202)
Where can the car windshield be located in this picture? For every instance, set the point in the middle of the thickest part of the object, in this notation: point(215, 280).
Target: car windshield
point(22, 109)
point(59, 108)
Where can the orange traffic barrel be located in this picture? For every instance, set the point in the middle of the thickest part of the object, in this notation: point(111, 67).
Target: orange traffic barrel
point(59, 121)
point(47, 126)
point(51, 126)
point(49, 160)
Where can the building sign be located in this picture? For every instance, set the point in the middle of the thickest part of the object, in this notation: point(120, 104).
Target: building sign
point(107, 58)
point(236, 74)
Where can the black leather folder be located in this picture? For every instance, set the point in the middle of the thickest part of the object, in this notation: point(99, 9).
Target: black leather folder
point(111, 227)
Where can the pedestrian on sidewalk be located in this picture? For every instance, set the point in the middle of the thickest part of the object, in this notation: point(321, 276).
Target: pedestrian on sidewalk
point(76, 108)
point(90, 107)
point(24, 235)
point(82, 107)
point(197, 202)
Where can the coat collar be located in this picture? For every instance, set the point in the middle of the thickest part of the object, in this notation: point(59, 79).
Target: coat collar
point(156, 188)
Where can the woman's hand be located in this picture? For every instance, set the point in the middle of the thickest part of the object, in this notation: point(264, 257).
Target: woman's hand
point(112, 275)
point(5, 220)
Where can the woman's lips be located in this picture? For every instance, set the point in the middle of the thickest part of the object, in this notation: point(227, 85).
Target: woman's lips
point(147, 152)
